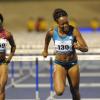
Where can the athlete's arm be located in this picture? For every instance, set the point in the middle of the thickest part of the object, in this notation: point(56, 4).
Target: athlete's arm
point(47, 41)
point(13, 46)
point(80, 44)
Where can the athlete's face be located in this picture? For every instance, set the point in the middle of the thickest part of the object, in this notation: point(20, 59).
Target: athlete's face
point(63, 23)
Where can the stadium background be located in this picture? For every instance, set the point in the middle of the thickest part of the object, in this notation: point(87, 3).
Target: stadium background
point(18, 11)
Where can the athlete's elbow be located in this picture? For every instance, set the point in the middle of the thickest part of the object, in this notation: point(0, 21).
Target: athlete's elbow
point(85, 49)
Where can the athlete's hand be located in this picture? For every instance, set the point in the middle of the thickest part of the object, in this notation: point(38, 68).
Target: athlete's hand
point(44, 54)
point(76, 45)
point(7, 61)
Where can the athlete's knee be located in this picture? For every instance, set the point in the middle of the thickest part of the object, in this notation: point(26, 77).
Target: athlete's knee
point(59, 91)
point(2, 91)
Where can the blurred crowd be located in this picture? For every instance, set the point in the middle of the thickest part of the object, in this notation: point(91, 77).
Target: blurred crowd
point(41, 24)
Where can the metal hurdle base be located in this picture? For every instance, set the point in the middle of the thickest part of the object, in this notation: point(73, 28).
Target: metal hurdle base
point(51, 97)
point(37, 95)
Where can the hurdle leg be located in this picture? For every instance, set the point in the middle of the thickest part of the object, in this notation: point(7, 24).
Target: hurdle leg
point(51, 80)
point(37, 81)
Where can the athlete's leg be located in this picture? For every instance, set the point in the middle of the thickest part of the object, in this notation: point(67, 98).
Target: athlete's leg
point(59, 79)
point(3, 80)
point(74, 78)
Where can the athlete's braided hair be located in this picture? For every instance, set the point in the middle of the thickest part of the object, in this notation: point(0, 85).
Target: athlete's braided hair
point(59, 13)
point(1, 18)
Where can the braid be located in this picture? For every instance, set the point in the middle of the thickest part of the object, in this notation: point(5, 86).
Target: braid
point(59, 13)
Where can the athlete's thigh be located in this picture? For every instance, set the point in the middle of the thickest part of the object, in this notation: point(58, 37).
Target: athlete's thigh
point(3, 74)
point(74, 76)
point(59, 76)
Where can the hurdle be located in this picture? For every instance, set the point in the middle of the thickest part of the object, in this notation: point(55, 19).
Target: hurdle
point(50, 58)
point(36, 85)
point(51, 80)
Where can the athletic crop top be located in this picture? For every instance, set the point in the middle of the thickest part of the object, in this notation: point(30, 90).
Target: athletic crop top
point(63, 44)
point(3, 41)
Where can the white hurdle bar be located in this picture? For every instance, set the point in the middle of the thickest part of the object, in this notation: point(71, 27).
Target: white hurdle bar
point(40, 58)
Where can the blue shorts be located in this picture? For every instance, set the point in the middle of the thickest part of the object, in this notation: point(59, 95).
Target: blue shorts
point(67, 65)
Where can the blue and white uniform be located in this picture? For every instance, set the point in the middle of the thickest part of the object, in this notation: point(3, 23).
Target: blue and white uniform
point(64, 45)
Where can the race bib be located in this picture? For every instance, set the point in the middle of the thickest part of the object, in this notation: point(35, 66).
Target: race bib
point(3, 43)
point(63, 46)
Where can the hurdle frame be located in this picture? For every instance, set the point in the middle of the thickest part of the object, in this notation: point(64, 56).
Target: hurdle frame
point(46, 85)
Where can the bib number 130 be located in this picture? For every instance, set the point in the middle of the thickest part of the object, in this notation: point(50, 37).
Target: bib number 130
point(63, 47)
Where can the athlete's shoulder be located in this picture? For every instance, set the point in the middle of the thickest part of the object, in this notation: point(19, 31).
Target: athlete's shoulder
point(8, 34)
point(51, 31)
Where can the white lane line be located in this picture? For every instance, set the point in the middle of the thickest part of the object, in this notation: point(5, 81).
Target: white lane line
point(15, 75)
point(48, 85)
point(18, 81)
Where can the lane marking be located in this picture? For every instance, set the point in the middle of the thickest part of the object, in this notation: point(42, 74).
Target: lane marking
point(18, 81)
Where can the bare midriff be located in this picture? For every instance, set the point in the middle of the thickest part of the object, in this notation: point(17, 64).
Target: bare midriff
point(66, 57)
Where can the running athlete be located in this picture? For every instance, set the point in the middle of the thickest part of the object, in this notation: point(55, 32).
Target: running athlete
point(66, 39)
point(4, 37)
